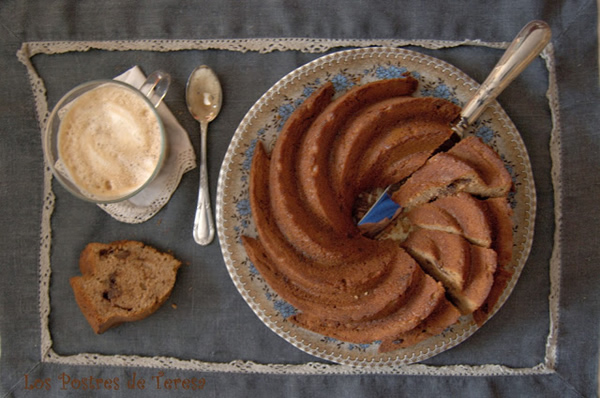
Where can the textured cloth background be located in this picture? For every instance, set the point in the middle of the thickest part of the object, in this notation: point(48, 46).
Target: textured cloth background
point(211, 322)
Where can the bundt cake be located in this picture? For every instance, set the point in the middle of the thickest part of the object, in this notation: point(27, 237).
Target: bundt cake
point(457, 224)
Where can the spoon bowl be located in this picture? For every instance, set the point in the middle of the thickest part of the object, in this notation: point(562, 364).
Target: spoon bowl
point(203, 94)
point(204, 99)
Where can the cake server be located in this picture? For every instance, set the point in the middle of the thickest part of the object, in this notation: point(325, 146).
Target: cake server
point(525, 47)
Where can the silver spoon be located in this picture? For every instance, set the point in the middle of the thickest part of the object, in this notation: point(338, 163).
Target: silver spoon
point(204, 98)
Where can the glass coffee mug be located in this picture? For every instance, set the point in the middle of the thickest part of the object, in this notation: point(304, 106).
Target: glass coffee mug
point(104, 140)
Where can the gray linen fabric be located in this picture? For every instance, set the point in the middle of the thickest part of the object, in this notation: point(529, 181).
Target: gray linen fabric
point(211, 321)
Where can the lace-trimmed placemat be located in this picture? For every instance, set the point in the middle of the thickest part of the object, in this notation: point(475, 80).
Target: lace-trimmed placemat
point(30, 49)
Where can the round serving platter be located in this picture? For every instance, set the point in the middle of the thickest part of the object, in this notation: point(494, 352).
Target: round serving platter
point(347, 69)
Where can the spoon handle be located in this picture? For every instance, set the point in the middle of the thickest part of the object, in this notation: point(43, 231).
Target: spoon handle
point(204, 228)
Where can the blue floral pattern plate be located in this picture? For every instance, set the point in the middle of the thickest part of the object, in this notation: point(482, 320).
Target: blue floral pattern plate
point(346, 69)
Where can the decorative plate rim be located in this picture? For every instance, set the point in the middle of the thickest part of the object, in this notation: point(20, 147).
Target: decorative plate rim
point(234, 253)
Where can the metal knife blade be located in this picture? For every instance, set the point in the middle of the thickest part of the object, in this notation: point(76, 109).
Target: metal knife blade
point(380, 215)
point(525, 47)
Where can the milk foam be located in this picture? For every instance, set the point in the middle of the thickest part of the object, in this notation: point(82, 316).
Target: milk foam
point(110, 142)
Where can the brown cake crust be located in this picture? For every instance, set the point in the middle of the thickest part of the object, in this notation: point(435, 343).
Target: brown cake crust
point(500, 214)
point(122, 281)
point(335, 121)
point(392, 129)
point(306, 232)
point(481, 279)
point(424, 298)
point(376, 302)
point(441, 318)
point(351, 278)
point(397, 154)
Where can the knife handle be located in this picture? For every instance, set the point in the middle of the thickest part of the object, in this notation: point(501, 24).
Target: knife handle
point(525, 47)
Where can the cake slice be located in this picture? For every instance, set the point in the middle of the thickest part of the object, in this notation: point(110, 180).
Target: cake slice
point(481, 279)
point(430, 216)
point(490, 167)
point(466, 270)
point(458, 214)
point(122, 281)
point(470, 166)
point(442, 175)
point(501, 215)
point(445, 256)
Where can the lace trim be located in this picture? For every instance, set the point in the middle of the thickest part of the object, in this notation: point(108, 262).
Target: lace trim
point(29, 49)
point(556, 171)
